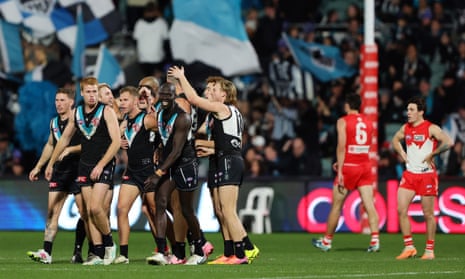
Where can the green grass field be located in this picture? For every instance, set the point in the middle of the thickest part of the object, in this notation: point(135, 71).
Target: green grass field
point(283, 255)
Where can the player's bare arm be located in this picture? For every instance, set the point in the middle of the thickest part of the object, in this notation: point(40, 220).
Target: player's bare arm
point(44, 157)
point(114, 132)
point(397, 142)
point(220, 109)
point(340, 149)
point(445, 142)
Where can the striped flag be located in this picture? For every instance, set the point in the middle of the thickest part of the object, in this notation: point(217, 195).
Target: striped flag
point(10, 48)
point(47, 17)
point(214, 35)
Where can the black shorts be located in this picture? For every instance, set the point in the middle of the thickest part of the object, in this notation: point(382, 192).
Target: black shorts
point(106, 177)
point(64, 181)
point(229, 171)
point(186, 177)
point(137, 177)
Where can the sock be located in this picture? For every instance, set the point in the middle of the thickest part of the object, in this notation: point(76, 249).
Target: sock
point(247, 243)
point(239, 249)
point(198, 247)
point(79, 236)
point(91, 248)
point(327, 239)
point(123, 250)
point(408, 241)
point(107, 240)
point(99, 250)
point(228, 248)
point(429, 246)
point(189, 237)
point(48, 247)
point(179, 250)
point(202, 238)
point(374, 238)
point(161, 244)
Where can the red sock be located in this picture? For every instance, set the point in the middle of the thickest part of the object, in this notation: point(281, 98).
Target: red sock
point(408, 240)
point(374, 238)
point(327, 239)
point(430, 245)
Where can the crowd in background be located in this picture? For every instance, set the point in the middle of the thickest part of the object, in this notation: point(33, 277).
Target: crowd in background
point(291, 115)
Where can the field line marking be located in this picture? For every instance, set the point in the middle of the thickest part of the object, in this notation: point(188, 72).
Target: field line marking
point(360, 275)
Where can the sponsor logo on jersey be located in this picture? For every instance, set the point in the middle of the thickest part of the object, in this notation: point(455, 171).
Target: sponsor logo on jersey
point(419, 137)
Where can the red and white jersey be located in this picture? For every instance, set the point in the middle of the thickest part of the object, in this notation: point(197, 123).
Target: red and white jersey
point(419, 144)
point(359, 134)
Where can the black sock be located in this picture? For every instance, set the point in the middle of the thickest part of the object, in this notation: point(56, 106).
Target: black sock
point(161, 244)
point(239, 249)
point(48, 247)
point(123, 250)
point(91, 248)
point(198, 247)
point(179, 250)
point(99, 250)
point(228, 248)
point(189, 237)
point(202, 238)
point(79, 236)
point(107, 240)
point(248, 245)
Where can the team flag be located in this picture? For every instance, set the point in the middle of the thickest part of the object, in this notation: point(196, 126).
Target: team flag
point(46, 17)
point(108, 70)
point(10, 48)
point(324, 62)
point(79, 53)
point(214, 35)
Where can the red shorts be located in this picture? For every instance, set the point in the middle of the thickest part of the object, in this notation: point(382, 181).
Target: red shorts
point(356, 175)
point(423, 184)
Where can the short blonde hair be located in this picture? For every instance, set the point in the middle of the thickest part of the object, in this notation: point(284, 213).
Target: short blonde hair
point(227, 86)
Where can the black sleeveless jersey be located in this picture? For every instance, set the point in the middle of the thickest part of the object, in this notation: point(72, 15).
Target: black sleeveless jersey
point(226, 133)
point(95, 138)
point(167, 129)
point(57, 126)
point(140, 151)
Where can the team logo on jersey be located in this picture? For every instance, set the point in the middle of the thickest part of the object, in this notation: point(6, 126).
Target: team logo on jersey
point(408, 137)
point(166, 129)
point(53, 184)
point(131, 131)
point(419, 137)
point(89, 130)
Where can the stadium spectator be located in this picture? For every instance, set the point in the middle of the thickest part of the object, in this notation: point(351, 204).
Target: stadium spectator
point(151, 34)
point(10, 156)
point(454, 127)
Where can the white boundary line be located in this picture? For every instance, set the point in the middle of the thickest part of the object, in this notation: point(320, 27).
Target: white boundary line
point(360, 275)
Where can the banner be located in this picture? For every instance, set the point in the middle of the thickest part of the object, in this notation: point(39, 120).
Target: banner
point(324, 62)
